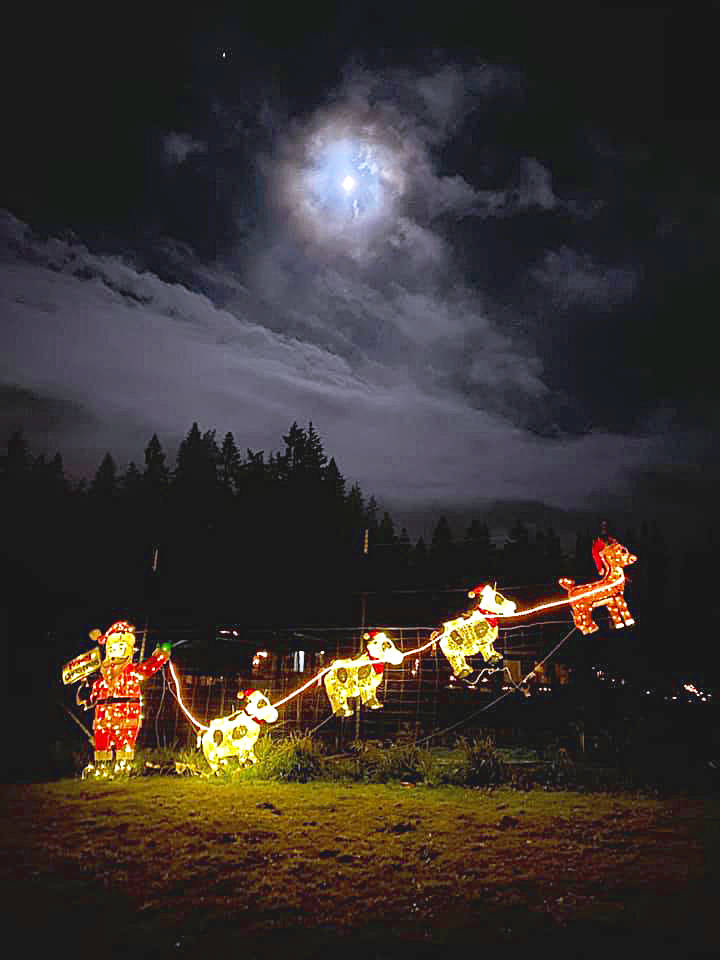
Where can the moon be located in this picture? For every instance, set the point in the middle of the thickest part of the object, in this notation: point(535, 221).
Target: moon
point(343, 180)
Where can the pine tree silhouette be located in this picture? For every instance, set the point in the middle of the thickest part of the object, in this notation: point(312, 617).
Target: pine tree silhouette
point(105, 481)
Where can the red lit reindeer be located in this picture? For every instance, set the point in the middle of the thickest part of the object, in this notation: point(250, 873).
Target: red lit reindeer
point(610, 557)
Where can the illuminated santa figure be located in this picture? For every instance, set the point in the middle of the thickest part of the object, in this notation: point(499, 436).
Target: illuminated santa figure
point(116, 696)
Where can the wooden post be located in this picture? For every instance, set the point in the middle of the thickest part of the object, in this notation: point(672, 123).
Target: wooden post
point(147, 604)
point(194, 692)
point(363, 619)
point(207, 701)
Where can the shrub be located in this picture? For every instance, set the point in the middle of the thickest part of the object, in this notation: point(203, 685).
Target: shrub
point(296, 758)
point(400, 761)
point(479, 764)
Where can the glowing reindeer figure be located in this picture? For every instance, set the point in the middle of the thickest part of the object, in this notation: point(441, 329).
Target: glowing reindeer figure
point(475, 632)
point(611, 557)
point(236, 735)
point(361, 676)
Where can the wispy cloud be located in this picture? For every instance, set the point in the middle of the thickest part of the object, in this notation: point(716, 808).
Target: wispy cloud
point(177, 147)
point(577, 279)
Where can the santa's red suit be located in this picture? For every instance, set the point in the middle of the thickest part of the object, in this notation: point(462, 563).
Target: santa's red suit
point(116, 693)
point(118, 705)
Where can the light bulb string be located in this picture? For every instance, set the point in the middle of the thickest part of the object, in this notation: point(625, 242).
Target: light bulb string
point(550, 605)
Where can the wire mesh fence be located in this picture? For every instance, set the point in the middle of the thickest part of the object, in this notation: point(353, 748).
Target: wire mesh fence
point(419, 696)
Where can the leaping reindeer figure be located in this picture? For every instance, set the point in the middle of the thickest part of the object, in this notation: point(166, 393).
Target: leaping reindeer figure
point(610, 557)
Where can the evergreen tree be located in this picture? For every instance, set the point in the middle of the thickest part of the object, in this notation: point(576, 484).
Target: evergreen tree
point(419, 556)
point(295, 448)
point(315, 458)
point(105, 481)
point(442, 552)
point(335, 482)
point(132, 481)
point(156, 474)
point(254, 471)
point(196, 467)
point(56, 475)
point(519, 534)
point(17, 461)
point(371, 520)
point(386, 530)
point(478, 534)
point(442, 538)
point(230, 464)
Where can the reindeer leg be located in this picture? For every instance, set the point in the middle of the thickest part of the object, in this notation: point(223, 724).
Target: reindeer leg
point(455, 659)
point(614, 612)
point(461, 667)
point(624, 612)
point(582, 614)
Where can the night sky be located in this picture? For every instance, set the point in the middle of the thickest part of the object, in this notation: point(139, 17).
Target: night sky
point(477, 250)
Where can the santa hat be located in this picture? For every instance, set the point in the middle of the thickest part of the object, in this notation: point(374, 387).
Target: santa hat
point(120, 626)
point(476, 592)
point(371, 634)
point(246, 694)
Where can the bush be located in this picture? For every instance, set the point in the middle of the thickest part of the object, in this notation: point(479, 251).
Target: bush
point(479, 765)
point(401, 761)
point(296, 758)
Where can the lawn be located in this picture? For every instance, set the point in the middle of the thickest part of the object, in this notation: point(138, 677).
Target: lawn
point(154, 866)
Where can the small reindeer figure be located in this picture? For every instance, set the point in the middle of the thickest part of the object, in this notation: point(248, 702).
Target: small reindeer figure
point(611, 557)
point(475, 632)
point(361, 676)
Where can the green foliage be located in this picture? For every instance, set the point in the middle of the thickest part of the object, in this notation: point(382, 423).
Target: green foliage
point(405, 762)
point(296, 758)
point(479, 764)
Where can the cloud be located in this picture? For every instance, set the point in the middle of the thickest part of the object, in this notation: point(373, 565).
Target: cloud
point(576, 279)
point(345, 305)
point(136, 355)
point(177, 147)
point(532, 190)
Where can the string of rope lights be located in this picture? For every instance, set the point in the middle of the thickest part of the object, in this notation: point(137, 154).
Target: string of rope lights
point(318, 676)
point(549, 605)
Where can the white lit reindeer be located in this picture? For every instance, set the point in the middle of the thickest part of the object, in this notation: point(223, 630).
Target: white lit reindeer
point(361, 676)
point(475, 632)
point(236, 735)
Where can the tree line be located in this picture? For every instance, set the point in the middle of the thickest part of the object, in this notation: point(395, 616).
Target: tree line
point(259, 539)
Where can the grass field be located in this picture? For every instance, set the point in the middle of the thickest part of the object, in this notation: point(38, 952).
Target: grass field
point(156, 866)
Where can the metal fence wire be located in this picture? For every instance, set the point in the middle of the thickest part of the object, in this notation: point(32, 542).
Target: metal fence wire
point(419, 696)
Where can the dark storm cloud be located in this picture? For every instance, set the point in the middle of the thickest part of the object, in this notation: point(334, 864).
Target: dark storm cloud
point(425, 389)
point(143, 355)
point(39, 415)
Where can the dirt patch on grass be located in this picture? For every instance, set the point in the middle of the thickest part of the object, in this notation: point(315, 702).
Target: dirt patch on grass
point(162, 861)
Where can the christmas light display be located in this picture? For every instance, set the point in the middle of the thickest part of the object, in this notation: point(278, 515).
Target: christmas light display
point(472, 633)
point(475, 632)
point(360, 677)
point(611, 557)
point(236, 735)
point(116, 696)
